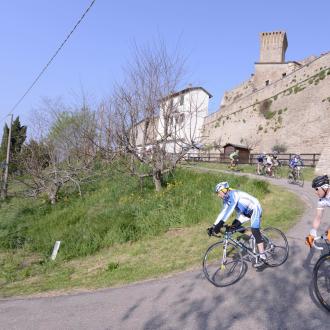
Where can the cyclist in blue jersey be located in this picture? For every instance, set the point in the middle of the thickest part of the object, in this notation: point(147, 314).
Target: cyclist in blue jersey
point(247, 208)
point(260, 162)
point(294, 164)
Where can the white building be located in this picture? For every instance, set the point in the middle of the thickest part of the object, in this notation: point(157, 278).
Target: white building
point(183, 113)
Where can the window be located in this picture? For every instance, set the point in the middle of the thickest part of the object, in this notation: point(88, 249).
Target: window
point(267, 82)
point(181, 99)
point(283, 74)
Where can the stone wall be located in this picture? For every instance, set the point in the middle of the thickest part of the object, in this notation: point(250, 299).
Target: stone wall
point(294, 111)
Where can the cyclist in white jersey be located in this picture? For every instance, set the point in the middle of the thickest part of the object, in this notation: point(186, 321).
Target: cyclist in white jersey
point(322, 190)
point(247, 208)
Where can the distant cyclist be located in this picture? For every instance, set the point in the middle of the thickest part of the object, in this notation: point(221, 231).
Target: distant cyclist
point(268, 162)
point(322, 190)
point(294, 164)
point(234, 158)
point(247, 208)
point(260, 162)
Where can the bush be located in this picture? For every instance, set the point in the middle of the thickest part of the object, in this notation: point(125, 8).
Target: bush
point(280, 148)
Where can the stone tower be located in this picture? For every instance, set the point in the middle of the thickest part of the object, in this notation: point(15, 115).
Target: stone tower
point(273, 46)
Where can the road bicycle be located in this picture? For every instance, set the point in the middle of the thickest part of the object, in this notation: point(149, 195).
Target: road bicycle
point(295, 176)
point(321, 273)
point(273, 172)
point(224, 261)
point(234, 166)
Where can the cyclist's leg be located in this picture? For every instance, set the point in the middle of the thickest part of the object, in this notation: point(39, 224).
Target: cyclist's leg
point(255, 227)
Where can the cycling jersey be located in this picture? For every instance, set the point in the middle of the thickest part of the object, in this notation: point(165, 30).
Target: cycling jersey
point(246, 206)
point(233, 155)
point(323, 202)
point(269, 160)
point(260, 158)
point(294, 162)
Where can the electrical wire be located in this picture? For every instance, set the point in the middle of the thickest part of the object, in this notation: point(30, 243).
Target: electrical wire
point(52, 58)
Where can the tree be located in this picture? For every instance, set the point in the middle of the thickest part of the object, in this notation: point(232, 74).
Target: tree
point(18, 136)
point(146, 108)
point(62, 155)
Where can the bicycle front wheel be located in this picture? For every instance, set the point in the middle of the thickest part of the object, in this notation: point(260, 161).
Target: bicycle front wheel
point(321, 280)
point(290, 177)
point(223, 267)
point(276, 246)
point(300, 180)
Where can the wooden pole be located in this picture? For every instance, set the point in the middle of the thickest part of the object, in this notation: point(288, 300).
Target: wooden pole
point(5, 179)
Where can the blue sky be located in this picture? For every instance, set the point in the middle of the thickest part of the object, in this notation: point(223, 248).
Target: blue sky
point(219, 38)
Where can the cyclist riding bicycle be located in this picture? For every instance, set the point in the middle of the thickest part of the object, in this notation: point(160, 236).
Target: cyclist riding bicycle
point(294, 164)
point(268, 163)
point(322, 190)
point(247, 208)
point(234, 158)
point(260, 162)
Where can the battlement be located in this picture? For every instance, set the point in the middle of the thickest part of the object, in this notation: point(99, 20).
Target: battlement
point(273, 46)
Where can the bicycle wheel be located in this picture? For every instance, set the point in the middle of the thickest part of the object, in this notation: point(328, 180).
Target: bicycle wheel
point(223, 270)
point(321, 280)
point(300, 180)
point(290, 177)
point(276, 246)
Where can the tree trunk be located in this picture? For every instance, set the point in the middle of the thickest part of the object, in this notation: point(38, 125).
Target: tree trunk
point(157, 177)
point(52, 193)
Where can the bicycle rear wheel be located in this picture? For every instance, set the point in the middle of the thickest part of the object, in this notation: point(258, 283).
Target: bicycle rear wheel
point(321, 280)
point(276, 246)
point(223, 270)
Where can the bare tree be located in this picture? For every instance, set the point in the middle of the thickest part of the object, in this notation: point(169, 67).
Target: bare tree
point(251, 142)
point(150, 124)
point(63, 152)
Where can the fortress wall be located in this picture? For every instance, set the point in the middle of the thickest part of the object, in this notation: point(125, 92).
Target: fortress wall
point(236, 93)
point(293, 111)
point(298, 76)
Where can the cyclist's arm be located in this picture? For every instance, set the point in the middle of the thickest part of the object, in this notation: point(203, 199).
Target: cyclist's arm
point(227, 210)
point(318, 217)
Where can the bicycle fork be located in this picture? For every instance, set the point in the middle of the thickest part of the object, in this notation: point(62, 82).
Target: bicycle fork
point(224, 256)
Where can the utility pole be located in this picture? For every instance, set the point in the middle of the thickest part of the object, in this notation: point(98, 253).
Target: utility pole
point(5, 179)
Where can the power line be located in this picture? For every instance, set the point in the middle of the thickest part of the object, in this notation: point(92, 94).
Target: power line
point(52, 58)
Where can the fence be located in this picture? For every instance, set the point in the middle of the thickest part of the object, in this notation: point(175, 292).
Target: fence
point(309, 160)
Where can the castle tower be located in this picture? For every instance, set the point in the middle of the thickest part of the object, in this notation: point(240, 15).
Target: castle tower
point(273, 46)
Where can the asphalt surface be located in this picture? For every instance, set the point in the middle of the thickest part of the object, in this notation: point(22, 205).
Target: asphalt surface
point(275, 298)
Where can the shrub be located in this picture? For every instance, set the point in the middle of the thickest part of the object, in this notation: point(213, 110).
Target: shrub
point(280, 148)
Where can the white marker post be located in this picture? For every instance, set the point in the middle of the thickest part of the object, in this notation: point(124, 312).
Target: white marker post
point(55, 250)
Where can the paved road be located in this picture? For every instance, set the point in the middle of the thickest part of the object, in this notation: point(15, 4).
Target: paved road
point(276, 298)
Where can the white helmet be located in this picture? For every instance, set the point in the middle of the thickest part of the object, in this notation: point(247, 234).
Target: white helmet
point(220, 186)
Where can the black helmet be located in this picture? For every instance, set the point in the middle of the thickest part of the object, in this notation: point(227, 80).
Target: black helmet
point(319, 181)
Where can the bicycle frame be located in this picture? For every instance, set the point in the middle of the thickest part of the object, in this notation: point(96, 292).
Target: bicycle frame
point(227, 237)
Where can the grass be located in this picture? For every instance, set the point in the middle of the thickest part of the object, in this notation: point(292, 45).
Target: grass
point(174, 236)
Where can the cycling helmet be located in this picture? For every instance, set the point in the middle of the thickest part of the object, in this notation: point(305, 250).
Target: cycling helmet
point(320, 181)
point(220, 186)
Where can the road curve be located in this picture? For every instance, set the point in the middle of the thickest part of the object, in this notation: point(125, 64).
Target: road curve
point(276, 298)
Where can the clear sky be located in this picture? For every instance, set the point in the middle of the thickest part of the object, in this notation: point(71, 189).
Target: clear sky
point(219, 38)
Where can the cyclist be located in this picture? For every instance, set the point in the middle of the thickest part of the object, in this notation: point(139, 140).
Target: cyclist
point(260, 162)
point(268, 162)
point(247, 208)
point(294, 163)
point(234, 158)
point(322, 190)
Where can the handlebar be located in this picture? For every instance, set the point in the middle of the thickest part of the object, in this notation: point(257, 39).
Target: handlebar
point(323, 237)
point(228, 229)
